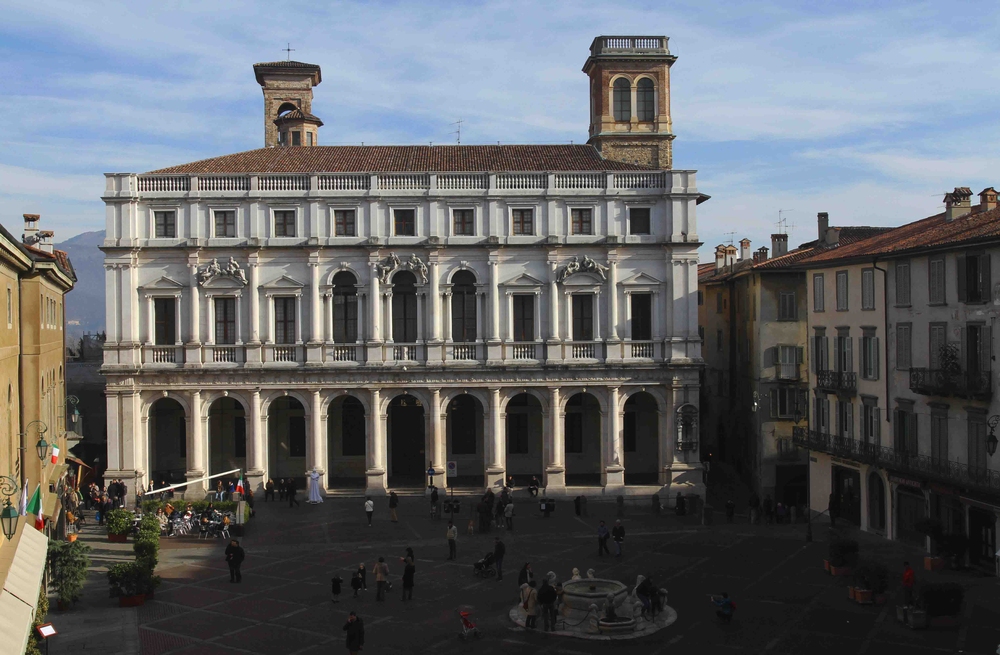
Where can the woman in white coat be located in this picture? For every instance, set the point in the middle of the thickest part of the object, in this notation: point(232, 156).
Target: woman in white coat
point(314, 497)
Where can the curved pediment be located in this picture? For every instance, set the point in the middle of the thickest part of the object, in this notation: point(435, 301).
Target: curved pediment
point(223, 282)
point(583, 279)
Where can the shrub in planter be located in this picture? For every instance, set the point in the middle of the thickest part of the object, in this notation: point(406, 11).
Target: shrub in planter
point(843, 552)
point(149, 525)
point(872, 576)
point(941, 598)
point(119, 522)
point(954, 546)
point(146, 549)
point(68, 563)
point(124, 579)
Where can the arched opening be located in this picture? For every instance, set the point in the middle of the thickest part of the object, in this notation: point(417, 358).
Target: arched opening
point(406, 447)
point(346, 443)
point(167, 441)
point(876, 502)
point(583, 440)
point(463, 307)
point(227, 436)
point(645, 101)
point(525, 443)
point(622, 100)
point(464, 428)
point(404, 307)
point(286, 107)
point(345, 308)
point(286, 440)
point(640, 439)
point(686, 421)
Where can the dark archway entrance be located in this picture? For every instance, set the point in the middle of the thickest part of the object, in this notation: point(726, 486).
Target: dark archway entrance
point(847, 487)
point(346, 443)
point(583, 440)
point(407, 442)
point(167, 442)
point(525, 445)
point(286, 440)
point(227, 437)
point(464, 428)
point(876, 503)
point(640, 439)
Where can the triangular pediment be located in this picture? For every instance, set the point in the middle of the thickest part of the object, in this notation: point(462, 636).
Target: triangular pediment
point(164, 283)
point(641, 279)
point(523, 280)
point(283, 282)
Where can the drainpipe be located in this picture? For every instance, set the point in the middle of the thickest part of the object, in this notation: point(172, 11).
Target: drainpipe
point(885, 321)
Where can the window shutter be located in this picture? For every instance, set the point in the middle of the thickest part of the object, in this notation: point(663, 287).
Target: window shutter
point(875, 358)
point(877, 431)
point(815, 356)
point(849, 354)
point(836, 353)
point(911, 446)
point(963, 293)
point(774, 403)
point(849, 417)
point(799, 355)
point(771, 356)
point(985, 349)
point(984, 277)
point(964, 357)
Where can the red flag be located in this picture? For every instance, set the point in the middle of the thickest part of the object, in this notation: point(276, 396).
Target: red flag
point(239, 484)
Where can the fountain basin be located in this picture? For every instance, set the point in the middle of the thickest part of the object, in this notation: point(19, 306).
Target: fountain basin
point(618, 626)
point(579, 595)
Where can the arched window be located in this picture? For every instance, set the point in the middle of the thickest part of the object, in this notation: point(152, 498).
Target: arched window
point(623, 100)
point(345, 308)
point(876, 502)
point(463, 307)
point(404, 307)
point(645, 103)
point(687, 427)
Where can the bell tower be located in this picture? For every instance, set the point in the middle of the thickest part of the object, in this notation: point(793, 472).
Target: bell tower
point(630, 99)
point(287, 87)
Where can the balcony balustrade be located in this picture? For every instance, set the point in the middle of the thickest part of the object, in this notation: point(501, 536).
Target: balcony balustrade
point(344, 354)
point(282, 354)
point(642, 349)
point(900, 461)
point(464, 352)
point(787, 450)
point(406, 352)
point(224, 354)
point(162, 355)
point(837, 381)
point(976, 385)
point(522, 351)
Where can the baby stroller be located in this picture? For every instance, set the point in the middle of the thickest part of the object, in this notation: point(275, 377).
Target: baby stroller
point(468, 627)
point(485, 567)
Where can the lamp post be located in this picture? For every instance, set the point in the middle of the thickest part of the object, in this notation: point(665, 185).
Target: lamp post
point(9, 484)
point(809, 522)
point(74, 415)
point(991, 441)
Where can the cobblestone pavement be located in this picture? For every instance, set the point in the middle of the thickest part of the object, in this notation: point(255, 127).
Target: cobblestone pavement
point(787, 604)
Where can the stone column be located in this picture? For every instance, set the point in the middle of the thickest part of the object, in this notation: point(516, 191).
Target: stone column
point(614, 467)
point(195, 308)
point(555, 472)
point(435, 331)
point(613, 300)
point(316, 460)
point(553, 302)
point(495, 472)
point(315, 313)
point(376, 473)
point(494, 335)
point(197, 451)
point(447, 317)
point(376, 306)
point(254, 304)
point(439, 446)
point(111, 307)
point(256, 474)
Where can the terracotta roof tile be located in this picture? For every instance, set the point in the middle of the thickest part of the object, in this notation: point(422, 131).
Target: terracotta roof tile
point(390, 159)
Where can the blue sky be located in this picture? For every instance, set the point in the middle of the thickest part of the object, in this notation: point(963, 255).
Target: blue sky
point(869, 111)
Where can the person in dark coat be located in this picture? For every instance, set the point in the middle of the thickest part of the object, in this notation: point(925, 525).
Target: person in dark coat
point(363, 575)
point(269, 490)
point(282, 488)
point(499, 550)
point(618, 536)
point(393, 503)
point(291, 491)
point(356, 583)
point(408, 570)
point(234, 557)
point(768, 510)
point(355, 630)
point(525, 575)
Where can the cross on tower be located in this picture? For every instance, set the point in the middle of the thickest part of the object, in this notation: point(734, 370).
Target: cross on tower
point(288, 50)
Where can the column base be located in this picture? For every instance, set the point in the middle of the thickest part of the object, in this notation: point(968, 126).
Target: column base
point(192, 355)
point(198, 490)
point(254, 356)
point(374, 353)
point(494, 353)
point(555, 478)
point(687, 478)
point(613, 478)
point(376, 483)
point(434, 352)
point(495, 476)
point(314, 354)
point(255, 481)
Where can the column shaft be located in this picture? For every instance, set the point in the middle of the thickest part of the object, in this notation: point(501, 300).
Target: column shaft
point(494, 302)
point(315, 460)
point(435, 304)
point(254, 304)
point(613, 299)
point(196, 446)
point(438, 450)
point(553, 303)
point(376, 306)
point(315, 313)
point(257, 458)
point(195, 307)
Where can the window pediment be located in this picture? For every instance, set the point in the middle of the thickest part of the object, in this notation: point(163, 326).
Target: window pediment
point(641, 280)
point(583, 279)
point(523, 281)
point(164, 283)
point(283, 283)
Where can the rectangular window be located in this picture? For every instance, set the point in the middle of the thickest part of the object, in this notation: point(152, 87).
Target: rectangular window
point(296, 436)
point(463, 222)
point(638, 220)
point(821, 352)
point(166, 225)
point(843, 353)
point(903, 284)
point(937, 340)
point(284, 224)
point(718, 302)
point(819, 301)
point(524, 317)
point(225, 320)
point(935, 281)
point(523, 221)
point(718, 341)
point(343, 223)
point(787, 309)
point(345, 317)
point(868, 288)
point(939, 435)
point(404, 222)
point(822, 414)
point(869, 356)
point(583, 317)
point(642, 316)
point(845, 419)
point(978, 458)
point(309, 138)
point(582, 222)
point(225, 224)
point(574, 432)
point(165, 317)
point(977, 352)
point(284, 319)
point(842, 299)
point(905, 430)
point(904, 358)
point(871, 424)
point(10, 307)
point(404, 316)
point(463, 316)
point(974, 279)
point(517, 433)
point(787, 402)
point(296, 138)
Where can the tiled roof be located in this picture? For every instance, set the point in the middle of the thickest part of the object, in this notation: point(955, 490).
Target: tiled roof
point(297, 114)
point(931, 232)
point(290, 66)
point(389, 159)
point(286, 64)
point(58, 256)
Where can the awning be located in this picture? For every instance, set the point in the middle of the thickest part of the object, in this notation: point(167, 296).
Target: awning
point(77, 461)
point(22, 562)
point(51, 505)
point(57, 472)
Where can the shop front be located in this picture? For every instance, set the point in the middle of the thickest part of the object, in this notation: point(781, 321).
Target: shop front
point(845, 496)
point(911, 508)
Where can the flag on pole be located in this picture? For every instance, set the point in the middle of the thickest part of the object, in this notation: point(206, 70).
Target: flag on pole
point(239, 484)
point(35, 507)
point(22, 507)
point(55, 454)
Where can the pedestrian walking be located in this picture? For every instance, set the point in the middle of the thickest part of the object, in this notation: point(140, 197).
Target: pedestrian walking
point(269, 490)
point(754, 504)
point(363, 575)
point(618, 534)
point(282, 489)
point(234, 558)
point(452, 535)
point(525, 575)
point(909, 578)
point(680, 505)
point(409, 569)
point(499, 550)
point(369, 509)
point(508, 514)
point(768, 509)
point(730, 510)
point(356, 583)
point(547, 601)
point(335, 583)
point(355, 630)
point(393, 503)
point(291, 493)
point(602, 539)
point(529, 602)
point(381, 579)
point(219, 492)
point(435, 508)
point(780, 513)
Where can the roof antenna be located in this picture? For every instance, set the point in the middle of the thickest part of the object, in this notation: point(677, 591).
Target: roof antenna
point(288, 50)
point(458, 132)
point(730, 235)
point(783, 225)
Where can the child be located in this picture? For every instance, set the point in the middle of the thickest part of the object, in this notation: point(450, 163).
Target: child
point(356, 583)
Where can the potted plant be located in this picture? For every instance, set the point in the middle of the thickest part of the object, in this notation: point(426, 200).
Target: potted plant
point(941, 604)
point(843, 556)
point(933, 529)
point(870, 581)
point(126, 583)
point(119, 524)
point(953, 548)
point(68, 563)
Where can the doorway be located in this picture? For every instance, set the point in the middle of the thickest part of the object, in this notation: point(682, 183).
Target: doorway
point(407, 457)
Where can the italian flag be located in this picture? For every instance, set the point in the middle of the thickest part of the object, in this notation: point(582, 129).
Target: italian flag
point(55, 454)
point(239, 484)
point(35, 507)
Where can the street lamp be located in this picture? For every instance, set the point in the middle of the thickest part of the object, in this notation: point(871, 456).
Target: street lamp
point(991, 441)
point(8, 520)
point(74, 415)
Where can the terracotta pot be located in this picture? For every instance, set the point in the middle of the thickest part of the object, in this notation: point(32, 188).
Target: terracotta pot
point(863, 596)
point(118, 538)
point(71, 537)
point(841, 570)
point(131, 601)
point(944, 621)
point(850, 592)
point(826, 565)
point(934, 563)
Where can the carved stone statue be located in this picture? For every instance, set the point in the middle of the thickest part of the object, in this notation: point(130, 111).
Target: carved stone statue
point(234, 271)
point(576, 574)
point(385, 268)
point(590, 573)
point(571, 268)
point(590, 266)
point(213, 270)
point(418, 267)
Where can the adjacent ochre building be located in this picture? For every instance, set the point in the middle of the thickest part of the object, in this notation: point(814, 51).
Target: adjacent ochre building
point(372, 312)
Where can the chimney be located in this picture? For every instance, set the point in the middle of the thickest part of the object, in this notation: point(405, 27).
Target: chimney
point(731, 253)
point(956, 203)
point(823, 222)
point(761, 255)
point(744, 249)
point(45, 240)
point(779, 244)
point(987, 199)
point(30, 235)
point(720, 257)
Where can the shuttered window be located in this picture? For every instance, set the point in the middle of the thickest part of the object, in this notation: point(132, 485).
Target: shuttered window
point(787, 310)
point(869, 357)
point(939, 434)
point(903, 344)
point(842, 302)
point(935, 282)
point(903, 283)
point(868, 288)
point(819, 301)
point(937, 338)
point(974, 277)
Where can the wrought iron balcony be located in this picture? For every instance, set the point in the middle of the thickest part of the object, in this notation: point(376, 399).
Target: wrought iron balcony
point(788, 451)
point(963, 384)
point(900, 461)
point(838, 381)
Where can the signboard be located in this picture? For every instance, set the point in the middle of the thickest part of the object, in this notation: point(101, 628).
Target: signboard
point(452, 469)
point(845, 462)
point(46, 630)
point(904, 481)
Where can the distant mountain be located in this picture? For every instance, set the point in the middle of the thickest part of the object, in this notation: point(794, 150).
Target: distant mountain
point(85, 303)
